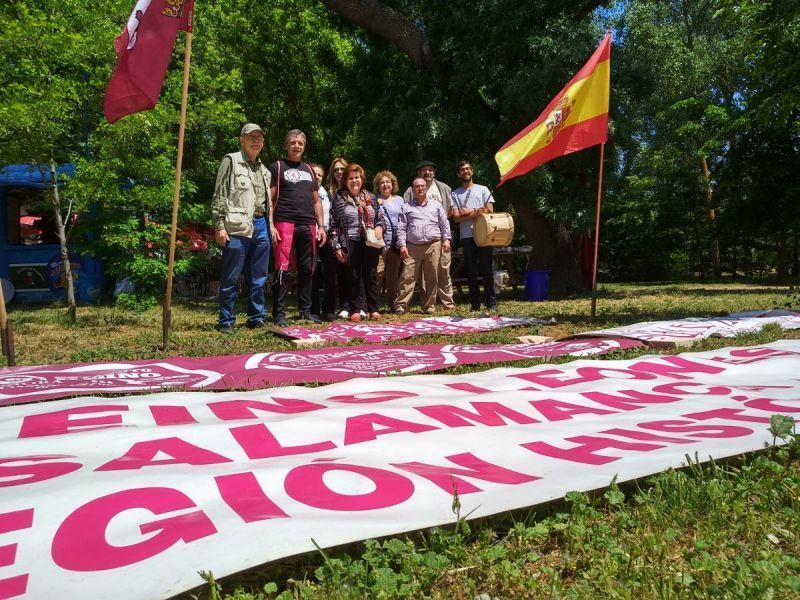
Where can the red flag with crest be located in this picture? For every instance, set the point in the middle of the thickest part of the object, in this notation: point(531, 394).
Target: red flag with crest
point(143, 50)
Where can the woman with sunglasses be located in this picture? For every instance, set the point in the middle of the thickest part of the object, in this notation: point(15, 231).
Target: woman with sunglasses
point(338, 165)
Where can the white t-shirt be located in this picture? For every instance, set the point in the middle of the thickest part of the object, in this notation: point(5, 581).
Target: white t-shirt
point(476, 196)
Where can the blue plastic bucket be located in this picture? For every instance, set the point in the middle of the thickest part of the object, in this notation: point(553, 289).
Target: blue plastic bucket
point(536, 285)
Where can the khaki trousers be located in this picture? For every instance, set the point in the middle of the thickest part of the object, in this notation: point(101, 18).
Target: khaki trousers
point(445, 287)
point(422, 263)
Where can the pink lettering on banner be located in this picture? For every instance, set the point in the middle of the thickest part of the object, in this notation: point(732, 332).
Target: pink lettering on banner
point(726, 414)
point(242, 492)
point(695, 430)
point(60, 422)
point(691, 388)
point(17, 585)
point(586, 449)
point(557, 410)
point(675, 367)
point(361, 428)
point(142, 454)
point(306, 484)
point(643, 436)
point(629, 399)
point(234, 410)
point(447, 478)
point(22, 474)
point(257, 441)
point(491, 414)
point(774, 406)
point(745, 356)
point(468, 387)
point(171, 415)
point(80, 542)
point(371, 397)
point(556, 378)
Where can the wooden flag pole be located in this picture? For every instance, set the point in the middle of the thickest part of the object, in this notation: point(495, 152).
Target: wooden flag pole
point(597, 233)
point(167, 314)
point(6, 331)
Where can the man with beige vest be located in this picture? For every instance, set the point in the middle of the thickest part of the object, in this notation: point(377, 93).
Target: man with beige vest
point(240, 212)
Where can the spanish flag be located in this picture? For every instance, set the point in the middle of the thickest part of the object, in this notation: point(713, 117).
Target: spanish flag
point(575, 119)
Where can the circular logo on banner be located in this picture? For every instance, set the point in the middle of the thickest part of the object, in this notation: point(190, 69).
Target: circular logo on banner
point(56, 277)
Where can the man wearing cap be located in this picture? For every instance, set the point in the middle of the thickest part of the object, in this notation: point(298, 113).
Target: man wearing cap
point(438, 192)
point(239, 210)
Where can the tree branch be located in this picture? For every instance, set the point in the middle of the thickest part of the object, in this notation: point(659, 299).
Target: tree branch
point(387, 23)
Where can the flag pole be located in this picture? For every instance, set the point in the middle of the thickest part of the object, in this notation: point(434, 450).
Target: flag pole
point(167, 313)
point(597, 233)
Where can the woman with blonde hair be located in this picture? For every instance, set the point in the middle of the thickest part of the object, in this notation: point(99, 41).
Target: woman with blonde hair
point(391, 205)
point(335, 183)
point(354, 212)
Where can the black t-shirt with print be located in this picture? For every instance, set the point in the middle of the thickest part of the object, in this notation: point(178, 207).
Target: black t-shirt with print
point(295, 201)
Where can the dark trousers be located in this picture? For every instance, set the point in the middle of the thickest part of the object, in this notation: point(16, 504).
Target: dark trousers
point(325, 279)
point(342, 274)
point(303, 246)
point(363, 276)
point(478, 261)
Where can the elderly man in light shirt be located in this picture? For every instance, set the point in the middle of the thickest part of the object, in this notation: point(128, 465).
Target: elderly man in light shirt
point(423, 233)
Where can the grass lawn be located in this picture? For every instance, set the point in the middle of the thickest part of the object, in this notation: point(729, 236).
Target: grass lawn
point(728, 530)
point(106, 333)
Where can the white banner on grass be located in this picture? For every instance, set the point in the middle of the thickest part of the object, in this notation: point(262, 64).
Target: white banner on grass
point(688, 331)
point(130, 497)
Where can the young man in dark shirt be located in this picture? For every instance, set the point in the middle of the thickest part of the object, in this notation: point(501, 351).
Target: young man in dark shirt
point(298, 224)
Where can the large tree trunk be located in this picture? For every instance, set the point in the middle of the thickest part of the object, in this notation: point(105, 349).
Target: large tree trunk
point(552, 249)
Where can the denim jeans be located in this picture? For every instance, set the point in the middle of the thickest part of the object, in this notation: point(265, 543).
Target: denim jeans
point(254, 253)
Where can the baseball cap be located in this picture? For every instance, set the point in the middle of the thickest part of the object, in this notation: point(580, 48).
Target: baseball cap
point(250, 128)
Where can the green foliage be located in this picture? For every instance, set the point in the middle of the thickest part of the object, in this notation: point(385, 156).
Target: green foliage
point(781, 426)
point(691, 80)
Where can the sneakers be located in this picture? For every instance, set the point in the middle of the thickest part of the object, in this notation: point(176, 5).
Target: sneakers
point(225, 329)
point(310, 317)
point(399, 310)
point(280, 321)
point(376, 316)
point(429, 311)
point(355, 317)
point(254, 324)
point(343, 314)
point(363, 314)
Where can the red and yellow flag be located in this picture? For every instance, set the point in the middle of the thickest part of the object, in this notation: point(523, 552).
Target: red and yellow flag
point(575, 119)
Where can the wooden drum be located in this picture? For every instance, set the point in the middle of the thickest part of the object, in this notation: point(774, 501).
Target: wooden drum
point(493, 229)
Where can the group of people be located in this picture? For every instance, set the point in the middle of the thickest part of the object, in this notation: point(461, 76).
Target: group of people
point(344, 240)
